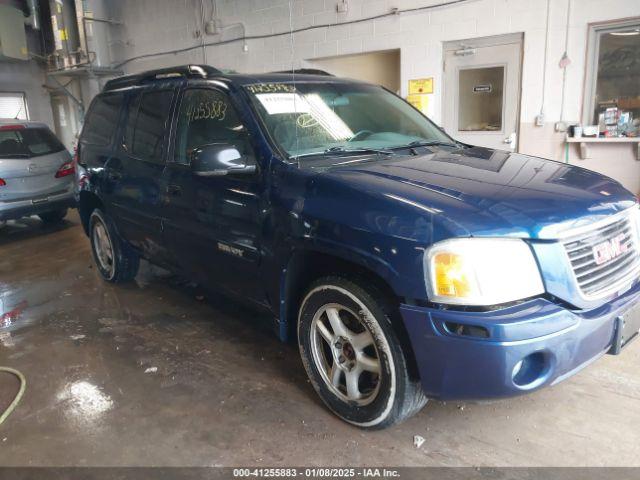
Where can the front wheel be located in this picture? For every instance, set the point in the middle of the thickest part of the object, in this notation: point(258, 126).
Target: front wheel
point(353, 357)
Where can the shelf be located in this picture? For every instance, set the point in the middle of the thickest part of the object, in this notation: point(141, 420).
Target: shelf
point(585, 142)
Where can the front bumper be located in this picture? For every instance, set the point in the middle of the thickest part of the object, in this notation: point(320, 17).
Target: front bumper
point(26, 208)
point(551, 342)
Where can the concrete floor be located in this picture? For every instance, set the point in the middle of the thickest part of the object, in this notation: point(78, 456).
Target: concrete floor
point(226, 392)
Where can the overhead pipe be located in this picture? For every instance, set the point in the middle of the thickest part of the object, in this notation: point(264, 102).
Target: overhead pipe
point(93, 56)
point(82, 34)
point(93, 25)
point(34, 15)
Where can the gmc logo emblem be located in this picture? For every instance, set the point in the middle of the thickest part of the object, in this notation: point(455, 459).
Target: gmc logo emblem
point(607, 251)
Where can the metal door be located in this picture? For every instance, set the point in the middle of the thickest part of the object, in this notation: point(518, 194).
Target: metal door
point(482, 90)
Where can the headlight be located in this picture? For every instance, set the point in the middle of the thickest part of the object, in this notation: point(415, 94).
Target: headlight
point(481, 271)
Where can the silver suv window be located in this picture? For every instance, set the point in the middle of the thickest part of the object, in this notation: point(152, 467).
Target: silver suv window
point(21, 142)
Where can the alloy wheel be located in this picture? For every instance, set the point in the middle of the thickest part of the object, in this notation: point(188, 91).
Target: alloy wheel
point(345, 353)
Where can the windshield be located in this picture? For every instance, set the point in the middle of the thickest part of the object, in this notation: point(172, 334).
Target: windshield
point(315, 118)
point(27, 142)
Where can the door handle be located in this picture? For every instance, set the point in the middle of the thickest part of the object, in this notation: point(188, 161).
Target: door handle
point(174, 190)
point(510, 140)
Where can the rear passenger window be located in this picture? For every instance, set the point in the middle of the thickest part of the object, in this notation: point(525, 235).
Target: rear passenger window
point(101, 122)
point(148, 117)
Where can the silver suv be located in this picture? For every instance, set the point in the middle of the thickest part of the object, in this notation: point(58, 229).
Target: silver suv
point(36, 173)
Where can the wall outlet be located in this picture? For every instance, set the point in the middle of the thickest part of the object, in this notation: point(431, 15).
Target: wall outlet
point(540, 120)
point(210, 27)
point(342, 7)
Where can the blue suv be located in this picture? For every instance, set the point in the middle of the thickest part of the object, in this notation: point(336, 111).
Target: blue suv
point(407, 265)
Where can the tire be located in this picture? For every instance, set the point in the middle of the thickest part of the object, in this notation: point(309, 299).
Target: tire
point(363, 377)
point(115, 259)
point(54, 216)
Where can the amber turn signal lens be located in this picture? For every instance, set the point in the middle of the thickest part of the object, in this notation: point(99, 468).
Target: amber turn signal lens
point(451, 278)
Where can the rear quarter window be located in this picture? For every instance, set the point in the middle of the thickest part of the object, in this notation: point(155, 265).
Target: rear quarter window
point(28, 143)
point(102, 119)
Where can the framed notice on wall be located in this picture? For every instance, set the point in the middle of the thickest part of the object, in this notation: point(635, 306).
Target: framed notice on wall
point(419, 86)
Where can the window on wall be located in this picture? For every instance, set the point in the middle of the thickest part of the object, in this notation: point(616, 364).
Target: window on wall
point(13, 105)
point(480, 99)
point(613, 80)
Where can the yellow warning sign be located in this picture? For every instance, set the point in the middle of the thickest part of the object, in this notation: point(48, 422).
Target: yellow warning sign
point(421, 85)
point(421, 102)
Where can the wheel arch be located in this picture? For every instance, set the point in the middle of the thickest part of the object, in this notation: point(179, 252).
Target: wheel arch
point(306, 266)
point(88, 203)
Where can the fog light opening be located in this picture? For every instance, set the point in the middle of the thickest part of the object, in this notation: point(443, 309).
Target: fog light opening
point(531, 370)
point(467, 330)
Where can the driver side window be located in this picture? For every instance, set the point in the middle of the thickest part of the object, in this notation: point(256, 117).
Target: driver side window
point(205, 117)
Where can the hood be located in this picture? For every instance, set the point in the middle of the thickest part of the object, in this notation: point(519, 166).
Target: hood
point(483, 192)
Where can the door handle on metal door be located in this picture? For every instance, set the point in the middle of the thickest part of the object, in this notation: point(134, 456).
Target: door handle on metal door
point(174, 190)
point(510, 140)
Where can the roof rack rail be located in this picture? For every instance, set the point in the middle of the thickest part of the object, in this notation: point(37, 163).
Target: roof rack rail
point(187, 71)
point(307, 71)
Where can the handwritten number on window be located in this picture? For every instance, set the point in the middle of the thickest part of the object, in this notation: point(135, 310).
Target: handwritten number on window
point(213, 110)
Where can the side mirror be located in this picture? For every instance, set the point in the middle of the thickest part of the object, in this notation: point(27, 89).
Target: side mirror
point(219, 159)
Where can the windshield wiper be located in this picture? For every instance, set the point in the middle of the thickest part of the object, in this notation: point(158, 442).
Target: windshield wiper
point(342, 150)
point(358, 150)
point(428, 143)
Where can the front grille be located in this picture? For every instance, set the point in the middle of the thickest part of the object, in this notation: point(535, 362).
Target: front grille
point(612, 273)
